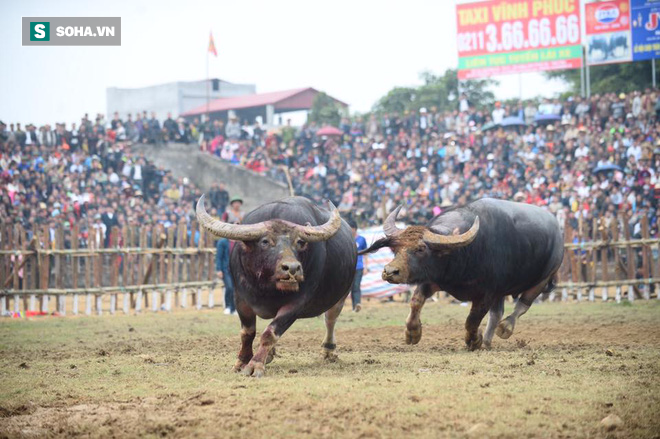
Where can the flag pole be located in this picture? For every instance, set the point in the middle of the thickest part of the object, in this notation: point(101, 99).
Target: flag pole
point(208, 80)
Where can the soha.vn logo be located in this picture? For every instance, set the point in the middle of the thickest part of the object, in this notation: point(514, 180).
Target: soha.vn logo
point(39, 31)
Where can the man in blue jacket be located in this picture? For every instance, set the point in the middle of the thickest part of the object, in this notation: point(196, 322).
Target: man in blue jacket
point(222, 268)
point(361, 267)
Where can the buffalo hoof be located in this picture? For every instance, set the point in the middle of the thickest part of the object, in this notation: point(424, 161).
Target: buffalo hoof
point(474, 344)
point(413, 335)
point(238, 367)
point(487, 344)
point(270, 356)
point(504, 329)
point(254, 369)
point(329, 356)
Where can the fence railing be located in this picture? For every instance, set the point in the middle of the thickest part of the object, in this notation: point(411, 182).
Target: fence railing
point(602, 259)
point(131, 269)
point(139, 268)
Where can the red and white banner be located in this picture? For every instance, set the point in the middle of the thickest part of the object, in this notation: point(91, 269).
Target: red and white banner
point(505, 36)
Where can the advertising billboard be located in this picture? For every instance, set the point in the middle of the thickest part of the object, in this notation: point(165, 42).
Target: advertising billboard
point(607, 25)
point(645, 29)
point(503, 36)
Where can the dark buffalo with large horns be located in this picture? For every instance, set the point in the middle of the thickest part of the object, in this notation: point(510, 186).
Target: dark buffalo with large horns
point(292, 260)
point(482, 252)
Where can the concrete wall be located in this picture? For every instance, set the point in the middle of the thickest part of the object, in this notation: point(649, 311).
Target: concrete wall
point(204, 169)
point(175, 97)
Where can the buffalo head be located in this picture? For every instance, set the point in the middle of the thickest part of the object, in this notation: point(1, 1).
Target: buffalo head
point(275, 249)
point(415, 246)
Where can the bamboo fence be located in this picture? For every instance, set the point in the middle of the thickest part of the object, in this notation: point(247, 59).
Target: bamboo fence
point(80, 271)
point(602, 260)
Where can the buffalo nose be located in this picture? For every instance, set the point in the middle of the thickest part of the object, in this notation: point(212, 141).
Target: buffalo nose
point(291, 267)
point(391, 271)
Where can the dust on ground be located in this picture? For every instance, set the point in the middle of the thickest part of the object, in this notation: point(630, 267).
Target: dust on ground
point(565, 369)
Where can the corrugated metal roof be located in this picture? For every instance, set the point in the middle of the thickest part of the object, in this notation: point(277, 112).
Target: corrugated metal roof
point(248, 101)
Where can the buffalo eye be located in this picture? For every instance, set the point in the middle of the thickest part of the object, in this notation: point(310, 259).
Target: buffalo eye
point(420, 250)
point(302, 244)
point(264, 242)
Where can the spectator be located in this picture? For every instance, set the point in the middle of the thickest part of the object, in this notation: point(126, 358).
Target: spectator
point(222, 269)
point(234, 215)
point(361, 267)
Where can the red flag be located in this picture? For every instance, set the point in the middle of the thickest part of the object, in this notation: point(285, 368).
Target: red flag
point(212, 45)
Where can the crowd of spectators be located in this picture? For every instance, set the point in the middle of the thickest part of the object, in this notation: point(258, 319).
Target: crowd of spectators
point(577, 157)
point(88, 172)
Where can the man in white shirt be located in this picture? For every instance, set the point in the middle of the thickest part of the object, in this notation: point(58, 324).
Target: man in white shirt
point(582, 151)
point(498, 113)
point(634, 151)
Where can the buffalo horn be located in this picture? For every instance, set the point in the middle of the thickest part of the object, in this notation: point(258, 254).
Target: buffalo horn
point(237, 232)
point(322, 232)
point(436, 241)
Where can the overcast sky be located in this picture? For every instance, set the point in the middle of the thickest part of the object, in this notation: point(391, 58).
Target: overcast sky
point(354, 50)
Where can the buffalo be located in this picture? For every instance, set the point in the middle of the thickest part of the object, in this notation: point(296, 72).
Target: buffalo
point(291, 260)
point(481, 252)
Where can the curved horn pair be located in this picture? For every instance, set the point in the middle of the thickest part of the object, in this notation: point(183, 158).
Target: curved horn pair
point(435, 241)
point(251, 232)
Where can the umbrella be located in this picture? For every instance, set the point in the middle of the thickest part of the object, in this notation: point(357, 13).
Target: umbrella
point(606, 168)
point(490, 126)
point(546, 118)
point(512, 121)
point(329, 131)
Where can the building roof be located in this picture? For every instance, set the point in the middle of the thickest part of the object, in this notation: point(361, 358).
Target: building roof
point(287, 100)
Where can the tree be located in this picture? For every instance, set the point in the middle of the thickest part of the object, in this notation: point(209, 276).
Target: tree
point(607, 78)
point(325, 110)
point(441, 92)
point(396, 100)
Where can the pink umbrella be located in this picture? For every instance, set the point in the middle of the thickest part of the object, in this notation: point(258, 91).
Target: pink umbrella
point(329, 131)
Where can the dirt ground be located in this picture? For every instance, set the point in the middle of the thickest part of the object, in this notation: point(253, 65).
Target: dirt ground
point(566, 368)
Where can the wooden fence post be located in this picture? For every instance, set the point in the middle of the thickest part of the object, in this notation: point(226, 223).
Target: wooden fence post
point(616, 256)
point(18, 259)
point(604, 256)
point(166, 296)
point(646, 264)
point(630, 256)
point(211, 274)
point(24, 267)
point(593, 257)
point(45, 269)
point(75, 265)
point(125, 264)
point(60, 263)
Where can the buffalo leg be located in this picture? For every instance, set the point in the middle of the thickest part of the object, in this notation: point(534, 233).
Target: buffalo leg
point(473, 337)
point(331, 316)
point(248, 332)
point(506, 326)
point(494, 316)
point(282, 321)
point(413, 322)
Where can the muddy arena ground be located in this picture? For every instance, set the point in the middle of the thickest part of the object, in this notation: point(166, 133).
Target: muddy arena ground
point(567, 367)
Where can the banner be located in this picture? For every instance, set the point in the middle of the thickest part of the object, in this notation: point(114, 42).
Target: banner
point(645, 33)
point(373, 284)
point(502, 36)
point(608, 33)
